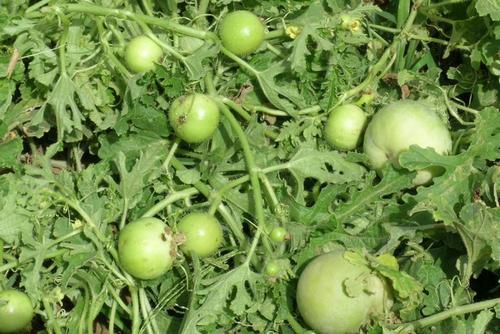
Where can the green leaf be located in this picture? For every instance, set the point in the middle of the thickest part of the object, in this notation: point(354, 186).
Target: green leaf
point(215, 294)
point(328, 167)
point(489, 7)
point(188, 176)
point(10, 152)
point(144, 170)
point(286, 98)
point(392, 182)
point(407, 288)
point(480, 232)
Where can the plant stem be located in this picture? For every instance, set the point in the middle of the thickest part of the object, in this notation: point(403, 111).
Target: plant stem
point(50, 316)
point(275, 34)
point(254, 180)
point(88, 8)
point(236, 107)
point(169, 200)
point(12, 265)
point(275, 112)
point(36, 6)
point(203, 7)
point(459, 310)
point(464, 108)
point(251, 167)
point(239, 61)
point(445, 3)
point(144, 311)
point(171, 153)
point(192, 298)
point(136, 316)
point(112, 314)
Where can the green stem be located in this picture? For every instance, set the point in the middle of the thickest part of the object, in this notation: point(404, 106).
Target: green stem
point(296, 327)
point(63, 238)
point(236, 107)
point(464, 108)
point(147, 7)
point(112, 315)
point(459, 310)
point(163, 22)
point(275, 50)
point(192, 298)
point(275, 34)
point(136, 316)
point(12, 265)
point(171, 153)
point(36, 6)
point(149, 312)
point(203, 7)
point(270, 191)
point(252, 169)
point(245, 115)
point(144, 311)
point(254, 181)
point(445, 3)
point(123, 220)
point(50, 316)
point(384, 28)
point(169, 200)
point(274, 112)
point(111, 58)
point(243, 64)
point(117, 299)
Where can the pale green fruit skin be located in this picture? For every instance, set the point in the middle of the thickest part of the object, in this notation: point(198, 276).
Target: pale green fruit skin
point(142, 53)
point(203, 234)
point(344, 127)
point(399, 125)
point(146, 249)
point(17, 313)
point(241, 32)
point(194, 117)
point(323, 302)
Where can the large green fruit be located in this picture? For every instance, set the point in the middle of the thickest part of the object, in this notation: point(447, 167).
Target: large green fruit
point(146, 248)
point(398, 126)
point(335, 296)
point(16, 311)
point(344, 127)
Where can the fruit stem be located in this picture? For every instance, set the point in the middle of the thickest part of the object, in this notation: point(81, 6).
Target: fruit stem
point(169, 200)
point(438, 317)
point(275, 34)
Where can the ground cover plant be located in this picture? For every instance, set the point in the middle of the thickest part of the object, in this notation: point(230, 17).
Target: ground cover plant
point(219, 166)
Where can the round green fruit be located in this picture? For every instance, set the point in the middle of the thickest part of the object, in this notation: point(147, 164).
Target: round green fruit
point(399, 125)
point(194, 118)
point(279, 234)
point(16, 311)
point(202, 232)
point(344, 127)
point(241, 32)
point(335, 296)
point(142, 54)
point(146, 248)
